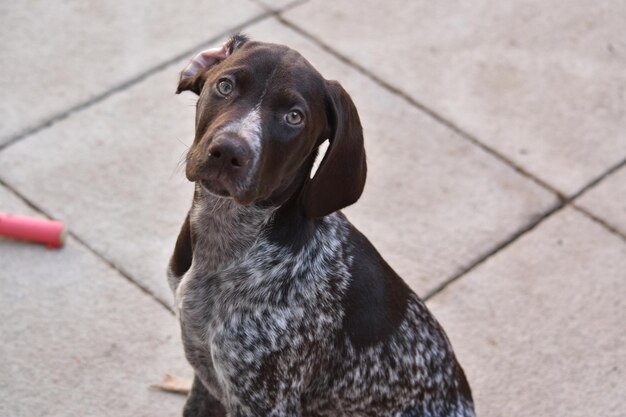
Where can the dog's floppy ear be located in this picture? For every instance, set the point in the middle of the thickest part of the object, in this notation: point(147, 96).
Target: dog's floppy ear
point(340, 178)
point(192, 77)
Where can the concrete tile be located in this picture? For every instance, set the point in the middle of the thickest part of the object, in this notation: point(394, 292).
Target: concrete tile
point(280, 4)
point(433, 203)
point(539, 328)
point(77, 338)
point(56, 55)
point(541, 82)
point(607, 200)
point(112, 174)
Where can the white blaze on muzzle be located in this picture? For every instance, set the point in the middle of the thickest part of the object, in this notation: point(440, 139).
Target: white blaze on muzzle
point(249, 129)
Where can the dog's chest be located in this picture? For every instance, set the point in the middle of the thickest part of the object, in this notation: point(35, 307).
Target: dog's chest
point(230, 326)
point(225, 239)
point(238, 305)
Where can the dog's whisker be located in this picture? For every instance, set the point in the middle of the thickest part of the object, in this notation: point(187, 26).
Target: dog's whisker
point(182, 143)
point(179, 165)
point(181, 159)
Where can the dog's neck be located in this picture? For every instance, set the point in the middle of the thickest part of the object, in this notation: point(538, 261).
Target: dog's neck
point(224, 230)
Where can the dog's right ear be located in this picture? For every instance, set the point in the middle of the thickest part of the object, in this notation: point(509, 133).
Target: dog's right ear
point(192, 78)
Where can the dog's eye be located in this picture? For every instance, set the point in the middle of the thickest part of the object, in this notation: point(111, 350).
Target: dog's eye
point(224, 87)
point(294, 117)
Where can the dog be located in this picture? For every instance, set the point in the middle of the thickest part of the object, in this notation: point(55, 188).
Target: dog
point(285, 308)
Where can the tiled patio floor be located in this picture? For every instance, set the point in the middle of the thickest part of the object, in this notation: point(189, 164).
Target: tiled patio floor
point(496, 139)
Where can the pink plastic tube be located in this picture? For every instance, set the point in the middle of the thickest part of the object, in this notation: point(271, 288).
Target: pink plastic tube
point(49, 232)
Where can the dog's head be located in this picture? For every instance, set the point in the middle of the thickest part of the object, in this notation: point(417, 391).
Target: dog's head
point(262, 113)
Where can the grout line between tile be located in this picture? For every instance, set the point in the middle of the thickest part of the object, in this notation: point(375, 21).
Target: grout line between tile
point(495, 250)
point(597, 180)
point(130, 82)
point(285, 8)
point(123, 273)
point(599, 220)
point(90, 249)
point(423, 108)
point(564, 202)
point(567, 202)
point(528, 228)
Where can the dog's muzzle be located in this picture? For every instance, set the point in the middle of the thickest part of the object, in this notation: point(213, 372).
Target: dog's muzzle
point(226, 166)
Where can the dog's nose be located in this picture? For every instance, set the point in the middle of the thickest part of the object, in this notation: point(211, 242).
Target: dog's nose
point(229, 152)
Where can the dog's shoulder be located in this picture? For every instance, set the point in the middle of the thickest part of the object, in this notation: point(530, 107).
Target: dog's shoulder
point(376, 300)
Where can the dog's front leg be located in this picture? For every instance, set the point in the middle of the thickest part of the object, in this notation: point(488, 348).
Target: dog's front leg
point(290, 407)
point(181, 259)
point(201, 403)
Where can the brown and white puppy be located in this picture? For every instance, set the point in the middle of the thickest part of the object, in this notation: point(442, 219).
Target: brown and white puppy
point(285, 308)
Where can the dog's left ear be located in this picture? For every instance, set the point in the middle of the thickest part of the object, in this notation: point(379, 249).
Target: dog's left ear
point(192, 77)
point(340, 178)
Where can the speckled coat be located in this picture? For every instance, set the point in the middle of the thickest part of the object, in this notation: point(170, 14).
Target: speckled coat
point(286, 309)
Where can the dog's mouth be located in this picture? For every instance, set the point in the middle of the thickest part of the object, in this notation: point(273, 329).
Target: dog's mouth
point(215, 188)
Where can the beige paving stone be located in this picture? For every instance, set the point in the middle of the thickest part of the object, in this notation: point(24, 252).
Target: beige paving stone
point(280, 4)
point(433, 203)
point(539, 328)
point(56, 55)
point(77, 338)
point(112, 174)
point(541, 82)
point(607, 200)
